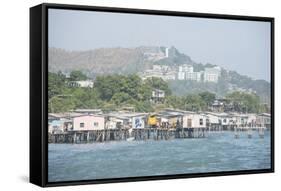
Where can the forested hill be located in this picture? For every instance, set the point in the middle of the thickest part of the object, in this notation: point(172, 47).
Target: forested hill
point(133, 60)
point(98, 61)
point(114, 60)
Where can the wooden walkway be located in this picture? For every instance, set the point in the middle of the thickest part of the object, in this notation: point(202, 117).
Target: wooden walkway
point(142, 134)
point(89, 136)
point(124, 134)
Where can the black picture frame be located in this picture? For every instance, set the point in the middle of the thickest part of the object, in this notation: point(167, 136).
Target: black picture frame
point(39, 102)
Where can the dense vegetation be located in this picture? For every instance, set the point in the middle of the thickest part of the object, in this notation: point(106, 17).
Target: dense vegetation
point(109, 93)
point(112, 92)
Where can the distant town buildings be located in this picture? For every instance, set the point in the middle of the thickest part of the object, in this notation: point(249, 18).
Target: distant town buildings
point(182, 72)
point(212, 74)
point(185, 72)
point(193, 76)
point(159, 71)
point(186, 68)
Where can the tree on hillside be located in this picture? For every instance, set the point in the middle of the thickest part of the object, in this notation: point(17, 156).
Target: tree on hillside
point(61, 104)
point(207, 97)
point(121, 98)
point(158, 83)
point(244, 102)
point(194, 102)
point(131, 85)
point(56, 84)
point(175, 102)
point(106, 86)
point(77, 75)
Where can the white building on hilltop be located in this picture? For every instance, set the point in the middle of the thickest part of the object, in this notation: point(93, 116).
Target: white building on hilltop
point(186, 73)
point(212, 74)
point(183, 70)
point(159, 71)
point(160, 68)
point(194, 76)
point(186, 68)
point(181, 75)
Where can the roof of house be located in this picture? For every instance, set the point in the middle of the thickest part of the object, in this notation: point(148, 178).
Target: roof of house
point(88, 111)
point(219, 114)
point(64, 115)
point(169, 114)
point(71, 115)
point(178, 110)
point(125, 115)
point(158, 90)
point(265, 114)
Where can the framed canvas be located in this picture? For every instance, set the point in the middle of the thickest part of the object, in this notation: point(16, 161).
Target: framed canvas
point(121, 95)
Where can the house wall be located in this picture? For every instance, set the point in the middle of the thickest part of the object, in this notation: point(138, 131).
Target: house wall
point(252, 118)
point(55, 126)
point(263, 120)
point(112, 123)
point(195, 120)
point(225, 120)
point(171, 120)
point(240, 120)
point(89, 123)
point(138, 122)
point(213, 119)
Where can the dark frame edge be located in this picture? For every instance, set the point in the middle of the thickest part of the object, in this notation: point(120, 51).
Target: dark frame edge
point(37, 140)
point(272, 71)
point(159, 178)
point(156, 12)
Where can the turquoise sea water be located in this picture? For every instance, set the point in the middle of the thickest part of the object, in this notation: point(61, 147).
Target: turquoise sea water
point(218, 152)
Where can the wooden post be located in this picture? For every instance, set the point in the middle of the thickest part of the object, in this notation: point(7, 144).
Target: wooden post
point(88, 136)
point(74, 137)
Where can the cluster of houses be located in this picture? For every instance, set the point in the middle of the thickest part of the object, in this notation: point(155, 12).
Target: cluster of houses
point(95, 119)
point(182, 72)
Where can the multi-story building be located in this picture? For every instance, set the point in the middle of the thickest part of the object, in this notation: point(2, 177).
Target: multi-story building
point(212, 74)
point(186, 68)
point(169, 76)
point(194, 76)
point(186, 72)
point(160, 71)
point(181, 75)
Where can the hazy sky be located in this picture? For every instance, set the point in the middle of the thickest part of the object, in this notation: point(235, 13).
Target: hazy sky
point(243, 46)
